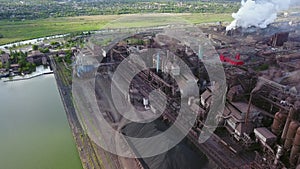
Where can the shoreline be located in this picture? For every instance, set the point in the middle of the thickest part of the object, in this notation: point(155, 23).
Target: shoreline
point(86, 152)
point(28, 78)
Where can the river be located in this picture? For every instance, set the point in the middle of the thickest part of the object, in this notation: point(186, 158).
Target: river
point(31, 41)
point(34, 131)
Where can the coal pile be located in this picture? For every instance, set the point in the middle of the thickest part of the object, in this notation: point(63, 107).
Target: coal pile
point(181, 156)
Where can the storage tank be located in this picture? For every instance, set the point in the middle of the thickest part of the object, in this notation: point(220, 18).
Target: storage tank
point(296, 149)
point(85, 70)
point(291, 135)
point(278, 122)
point(175, 69)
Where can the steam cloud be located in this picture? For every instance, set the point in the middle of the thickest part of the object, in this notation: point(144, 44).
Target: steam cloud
point(258, 13)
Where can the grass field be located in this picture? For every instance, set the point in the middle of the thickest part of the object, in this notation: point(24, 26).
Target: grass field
point(24, 30)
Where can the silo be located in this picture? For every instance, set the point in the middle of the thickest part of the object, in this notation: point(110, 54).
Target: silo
point(291, 135)
point(295, 149)
point(278, 122)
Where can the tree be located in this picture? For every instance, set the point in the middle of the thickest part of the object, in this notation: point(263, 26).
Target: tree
point(46, 50)
point(54, 43)
point(68, 57)
point(35, 47)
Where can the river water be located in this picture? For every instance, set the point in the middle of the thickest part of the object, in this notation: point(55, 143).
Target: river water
point(34, 131)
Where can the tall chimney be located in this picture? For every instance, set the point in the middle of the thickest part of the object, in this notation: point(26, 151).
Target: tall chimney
point(295, 149)
point(157, 62)
point(200, 52)
point(278, 154)
point(287, 124)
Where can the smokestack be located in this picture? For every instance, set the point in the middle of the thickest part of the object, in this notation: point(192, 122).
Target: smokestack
point(295, 149)
point(278, 154)
point(157, 62)
point(287, 124)
point(259, 85)
point(200, 52)
point(290, 135)
point(259, 13)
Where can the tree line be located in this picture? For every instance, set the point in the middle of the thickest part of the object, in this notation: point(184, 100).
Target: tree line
point(45, 9)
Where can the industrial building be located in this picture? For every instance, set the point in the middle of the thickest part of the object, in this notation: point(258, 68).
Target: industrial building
point(259, 127)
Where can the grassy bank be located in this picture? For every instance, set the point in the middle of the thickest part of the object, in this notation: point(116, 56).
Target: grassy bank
point(24, 30)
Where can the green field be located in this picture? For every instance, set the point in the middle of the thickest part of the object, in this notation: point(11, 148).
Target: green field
point(24, 30)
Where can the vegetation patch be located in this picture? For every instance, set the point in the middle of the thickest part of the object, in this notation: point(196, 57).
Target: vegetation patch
point(24, 30)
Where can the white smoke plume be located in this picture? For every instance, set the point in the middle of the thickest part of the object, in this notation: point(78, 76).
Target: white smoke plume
point(259, 13)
